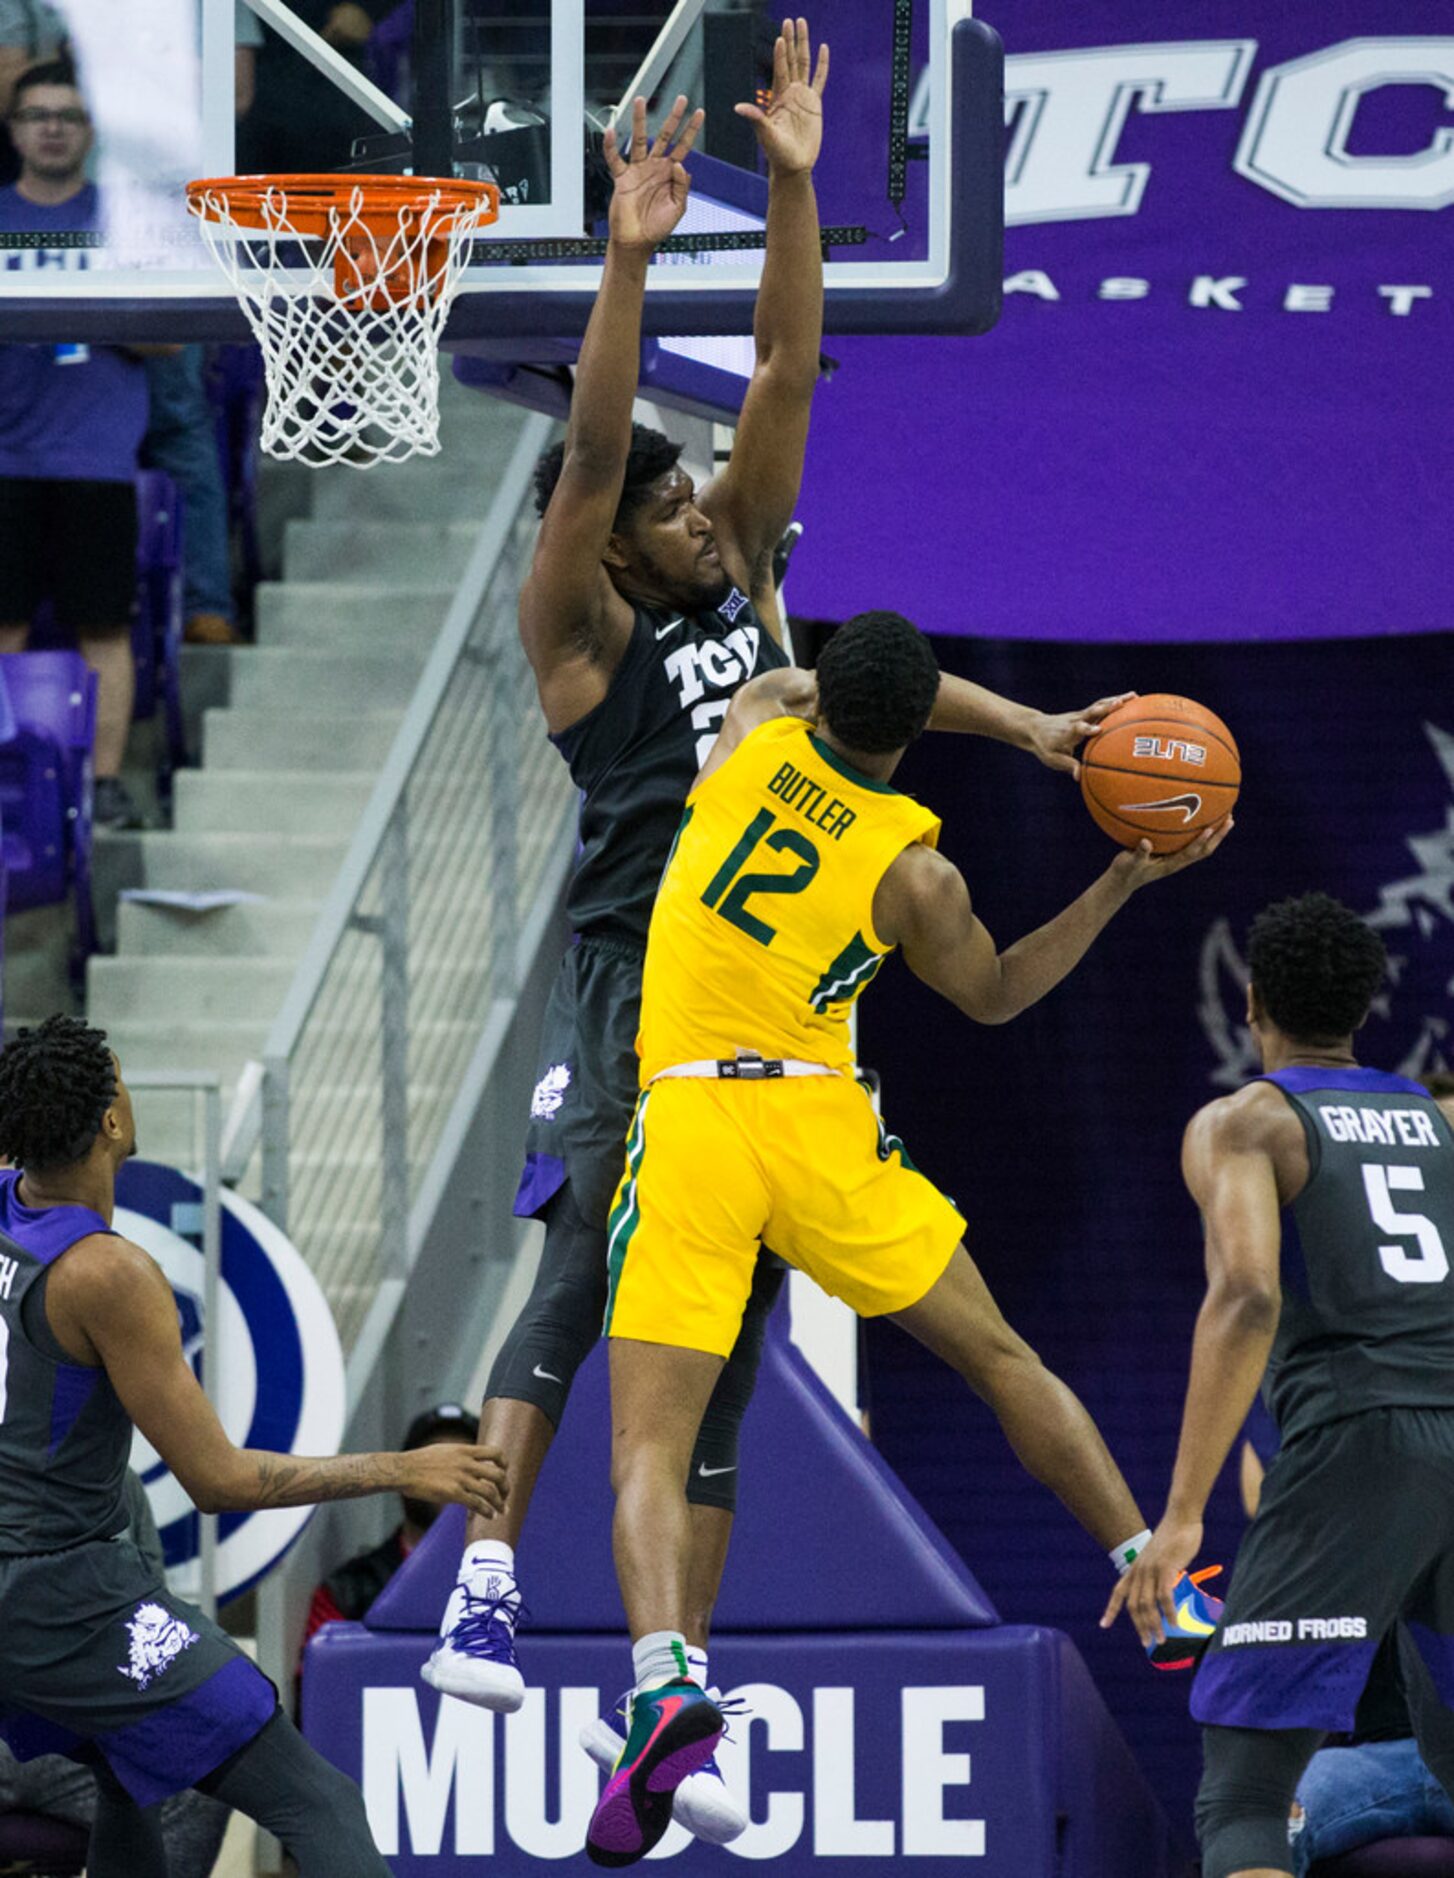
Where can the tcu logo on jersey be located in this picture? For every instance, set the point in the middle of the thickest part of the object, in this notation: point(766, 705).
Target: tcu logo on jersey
point(716, 666)
point(1169, 749)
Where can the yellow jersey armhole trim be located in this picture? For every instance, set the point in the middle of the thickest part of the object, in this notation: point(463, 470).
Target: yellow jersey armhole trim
point(925, 838)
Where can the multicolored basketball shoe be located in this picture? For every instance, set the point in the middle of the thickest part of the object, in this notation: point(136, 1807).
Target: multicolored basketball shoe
point(475, 1656)
point(673, 1732)
point(1197, 1615)
point(703, 1803)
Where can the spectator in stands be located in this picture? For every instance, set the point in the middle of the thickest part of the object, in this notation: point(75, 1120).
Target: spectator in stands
point(181, 438)
point(300, 120)
point(193, 1823)
point(349, 1592)
point(31, 31)
point(71, 424)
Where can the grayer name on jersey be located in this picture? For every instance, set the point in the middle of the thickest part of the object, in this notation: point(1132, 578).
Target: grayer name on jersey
point(1380, 1128)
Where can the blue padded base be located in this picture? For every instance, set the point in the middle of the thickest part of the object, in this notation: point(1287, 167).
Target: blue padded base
point(826, 1536)
point(976, 1751)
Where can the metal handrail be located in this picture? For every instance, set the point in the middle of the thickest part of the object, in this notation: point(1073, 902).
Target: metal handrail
point(207, 1085)
point(244, 1124)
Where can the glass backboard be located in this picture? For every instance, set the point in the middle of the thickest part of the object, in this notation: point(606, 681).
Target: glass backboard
point(518, 92)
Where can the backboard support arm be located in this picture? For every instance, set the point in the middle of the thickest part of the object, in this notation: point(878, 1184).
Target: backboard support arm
point(334, 67)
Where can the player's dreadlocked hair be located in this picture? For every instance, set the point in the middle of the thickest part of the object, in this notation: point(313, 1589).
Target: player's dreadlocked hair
point(55, 1085)
point(651, 455)
point(1316, 967)
point(877, 682)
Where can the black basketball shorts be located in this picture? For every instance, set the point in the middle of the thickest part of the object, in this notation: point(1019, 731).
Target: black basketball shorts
point(95, 1649)
point(1355, 1532)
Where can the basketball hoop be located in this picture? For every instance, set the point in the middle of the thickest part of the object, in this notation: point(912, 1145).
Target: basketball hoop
point(346, 282)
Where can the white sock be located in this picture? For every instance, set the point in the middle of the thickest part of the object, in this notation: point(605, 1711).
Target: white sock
point(697, 1664)
point(658, 1658)
point(487, 1571)
point(1122, 1555)
point(488, 1568)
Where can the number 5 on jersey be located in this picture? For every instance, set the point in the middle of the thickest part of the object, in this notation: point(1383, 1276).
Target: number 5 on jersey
point(1430, 1265)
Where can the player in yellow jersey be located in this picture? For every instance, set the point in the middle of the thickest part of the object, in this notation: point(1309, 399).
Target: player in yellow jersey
point(796, 870)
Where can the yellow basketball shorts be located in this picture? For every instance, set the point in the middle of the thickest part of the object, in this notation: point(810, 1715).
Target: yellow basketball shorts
point(802, 1165)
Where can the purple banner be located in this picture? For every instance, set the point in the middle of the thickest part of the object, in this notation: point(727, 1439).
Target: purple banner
point(1213, 407)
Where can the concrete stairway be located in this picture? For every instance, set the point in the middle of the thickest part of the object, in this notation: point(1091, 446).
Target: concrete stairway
point(294, 730)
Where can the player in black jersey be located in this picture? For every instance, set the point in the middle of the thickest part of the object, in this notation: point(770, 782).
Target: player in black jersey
point(97, 1659)
point(647, 606)
point(1327, 1192)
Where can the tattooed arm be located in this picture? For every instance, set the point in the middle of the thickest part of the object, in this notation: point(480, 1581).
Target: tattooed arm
point(110, 1306)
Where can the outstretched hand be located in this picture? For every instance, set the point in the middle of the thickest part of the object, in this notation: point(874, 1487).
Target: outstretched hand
point(790, 130)
point(1140, 866)
point(446, 1471)
point(1145, 1588)
point(651, 184)
point(1054, 736)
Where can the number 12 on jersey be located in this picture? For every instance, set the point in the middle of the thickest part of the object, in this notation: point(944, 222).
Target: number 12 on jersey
point(733, 907)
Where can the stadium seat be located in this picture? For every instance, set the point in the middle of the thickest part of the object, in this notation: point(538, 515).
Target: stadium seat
point(156, 631)
point(1391, 1858)
point(34, 1842)
point(45, 785)
point(156, 626)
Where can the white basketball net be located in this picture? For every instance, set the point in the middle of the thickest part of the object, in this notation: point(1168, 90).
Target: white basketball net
point(352, 379)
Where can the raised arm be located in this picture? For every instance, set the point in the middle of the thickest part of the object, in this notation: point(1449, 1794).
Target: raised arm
point(109, 1303)
point(787, 692)
point(923, 905)
point(1229, 1168)
point(1051, 736)
point(573, 623)
point(751, 502)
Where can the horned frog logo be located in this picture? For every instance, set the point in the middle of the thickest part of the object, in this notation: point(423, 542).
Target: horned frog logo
point(550, 1093)
point(1409, 1028)
point(157, 1640)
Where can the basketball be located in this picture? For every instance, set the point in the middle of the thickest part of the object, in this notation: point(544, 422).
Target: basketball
point(1160, 769)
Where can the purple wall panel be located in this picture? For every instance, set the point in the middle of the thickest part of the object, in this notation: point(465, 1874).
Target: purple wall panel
point(813, 1490)
point(1151, 468)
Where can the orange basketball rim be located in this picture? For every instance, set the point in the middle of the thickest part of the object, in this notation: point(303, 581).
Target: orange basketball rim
point(391, 234)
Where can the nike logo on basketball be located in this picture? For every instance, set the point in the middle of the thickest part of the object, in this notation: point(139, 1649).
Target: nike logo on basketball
point(544, 1374)
point(1189, 805)
point(670, 627)
point(708, 1473)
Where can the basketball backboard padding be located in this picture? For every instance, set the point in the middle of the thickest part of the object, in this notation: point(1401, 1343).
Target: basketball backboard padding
point(813, 1491)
